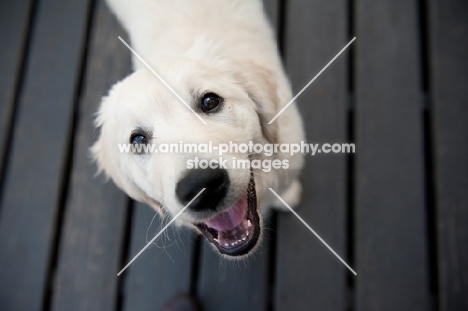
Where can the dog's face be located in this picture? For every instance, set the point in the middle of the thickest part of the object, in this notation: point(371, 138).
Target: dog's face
point(235, 105)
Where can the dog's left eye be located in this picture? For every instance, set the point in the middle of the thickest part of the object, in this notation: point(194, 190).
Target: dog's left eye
point(210, 101)
point(138, 139)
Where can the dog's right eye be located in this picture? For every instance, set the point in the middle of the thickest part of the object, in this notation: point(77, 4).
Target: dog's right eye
point(138, 139)
point(210, 102)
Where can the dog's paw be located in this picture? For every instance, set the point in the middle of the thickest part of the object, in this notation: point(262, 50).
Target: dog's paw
point(292, 196)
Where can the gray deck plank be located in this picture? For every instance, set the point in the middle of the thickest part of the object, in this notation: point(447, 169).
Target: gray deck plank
point(391, 245)
point(95, 214)
point(14, 20)
point(162, 271)
point(272, 11)
point(308, 275)
point(33, 178)
point(449, 78)
point(225, 285)
point(234, 285)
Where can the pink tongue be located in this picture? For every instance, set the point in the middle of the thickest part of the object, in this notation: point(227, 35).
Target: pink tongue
point(231, 218)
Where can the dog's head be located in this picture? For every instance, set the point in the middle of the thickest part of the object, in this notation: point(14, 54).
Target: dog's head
point(236, 103)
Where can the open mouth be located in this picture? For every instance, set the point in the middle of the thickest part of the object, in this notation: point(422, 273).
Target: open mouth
point(235, 231)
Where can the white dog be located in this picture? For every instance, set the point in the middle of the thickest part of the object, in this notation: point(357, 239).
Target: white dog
point(222, 59)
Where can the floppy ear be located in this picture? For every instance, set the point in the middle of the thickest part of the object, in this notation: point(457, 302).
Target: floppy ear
point(104, 114)
point(261, 86)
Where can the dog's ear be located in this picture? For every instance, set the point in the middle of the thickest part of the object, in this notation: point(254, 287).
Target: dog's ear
point(99, 150)
point(105, 152)
point(261, 86)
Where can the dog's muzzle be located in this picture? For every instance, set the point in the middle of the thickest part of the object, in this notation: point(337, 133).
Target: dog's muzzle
point(234, 231)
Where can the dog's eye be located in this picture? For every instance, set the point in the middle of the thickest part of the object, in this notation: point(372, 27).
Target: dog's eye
point(210, 101)
point(138, 139)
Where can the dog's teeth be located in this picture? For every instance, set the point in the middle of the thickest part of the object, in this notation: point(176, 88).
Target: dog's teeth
point(232, 244)
point(216, 240)
point(249, 224)
point(247, 233)
point(226, 244)
point(244, 238)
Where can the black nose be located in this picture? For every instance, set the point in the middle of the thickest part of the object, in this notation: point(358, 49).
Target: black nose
point(216, 182)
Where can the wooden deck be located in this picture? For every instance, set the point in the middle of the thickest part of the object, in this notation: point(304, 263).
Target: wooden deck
point(397, 210)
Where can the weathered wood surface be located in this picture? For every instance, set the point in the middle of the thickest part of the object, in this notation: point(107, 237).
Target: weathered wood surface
point(34, 177)
point(231, 285)
point(14, 24)
point(308, 276)
point(449, 77)
point(391, 244)
point(93, 230)
point(164, 270)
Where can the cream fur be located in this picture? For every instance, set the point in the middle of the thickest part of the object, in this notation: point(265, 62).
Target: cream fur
point(226, 47)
